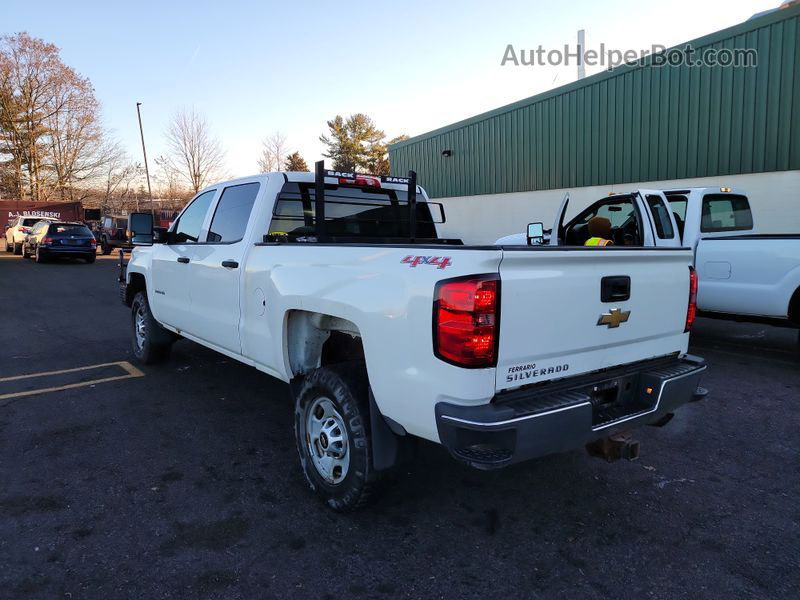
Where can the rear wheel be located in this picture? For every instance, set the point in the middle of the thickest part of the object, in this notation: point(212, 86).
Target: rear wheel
point(40, 258)
point(17, 248)
point(25, 252)
point(90, 259)
point(151, 342)
point(332, 431)
point(105, 248)
point(9, 247)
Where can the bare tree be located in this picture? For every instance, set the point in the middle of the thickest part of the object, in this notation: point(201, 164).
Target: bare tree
point(49, 120)
point(168, 181)
point(121, 177)
point(193, 152)
point(273, 153)
point(78, 145)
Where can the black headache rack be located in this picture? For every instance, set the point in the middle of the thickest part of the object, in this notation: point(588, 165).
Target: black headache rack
point(389, 220)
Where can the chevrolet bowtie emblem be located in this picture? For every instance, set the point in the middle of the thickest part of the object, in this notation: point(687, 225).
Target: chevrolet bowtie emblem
point(614, 318)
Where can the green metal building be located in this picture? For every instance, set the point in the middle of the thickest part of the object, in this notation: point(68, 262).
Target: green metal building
point(635, 123)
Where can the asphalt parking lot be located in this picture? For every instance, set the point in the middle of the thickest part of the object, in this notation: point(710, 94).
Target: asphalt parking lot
point(181, 480)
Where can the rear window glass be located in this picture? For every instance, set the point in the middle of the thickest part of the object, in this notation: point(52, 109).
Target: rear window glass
point(725, 212)
point(68, 229)
point(661, 217)
point(29, 222)
point(349, 212)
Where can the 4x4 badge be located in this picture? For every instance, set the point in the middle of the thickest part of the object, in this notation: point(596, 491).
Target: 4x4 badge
point(614, 318)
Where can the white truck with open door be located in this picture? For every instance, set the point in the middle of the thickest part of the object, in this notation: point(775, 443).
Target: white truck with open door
point(742, 275)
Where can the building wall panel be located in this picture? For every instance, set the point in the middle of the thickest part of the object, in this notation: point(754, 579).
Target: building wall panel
point(635, 123)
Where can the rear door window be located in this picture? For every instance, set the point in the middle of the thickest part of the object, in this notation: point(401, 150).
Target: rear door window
point(660, 217)
point(725, 212)
point(232, 213)
point(187, 230)
point(30, 222)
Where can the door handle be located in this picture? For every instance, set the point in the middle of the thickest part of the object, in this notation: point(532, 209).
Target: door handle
point(230, 264)
point(615, 288)
point(183, 259)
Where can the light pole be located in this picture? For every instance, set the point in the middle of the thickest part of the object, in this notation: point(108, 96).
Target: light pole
point(144, 151)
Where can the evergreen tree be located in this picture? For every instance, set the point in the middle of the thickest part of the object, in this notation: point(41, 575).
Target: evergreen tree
point(353, 143)
point(295, 162)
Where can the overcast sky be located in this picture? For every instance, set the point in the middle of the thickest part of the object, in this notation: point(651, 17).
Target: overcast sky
point(255, 67)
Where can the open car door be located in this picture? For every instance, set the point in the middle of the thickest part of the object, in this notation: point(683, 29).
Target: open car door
point(557, 234)
point(662, 228)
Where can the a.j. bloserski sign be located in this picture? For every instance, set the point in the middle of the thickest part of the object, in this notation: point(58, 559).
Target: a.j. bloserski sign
point(65, 211)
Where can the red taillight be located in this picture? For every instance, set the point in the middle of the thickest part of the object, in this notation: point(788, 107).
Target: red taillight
point(691, 311)
point(25, 229)
point(93, 242)
point(361, 180)
point(47, 240)
point(466, 317)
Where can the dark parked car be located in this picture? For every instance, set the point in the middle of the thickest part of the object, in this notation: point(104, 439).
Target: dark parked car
point(50, 239)
point(113, 233)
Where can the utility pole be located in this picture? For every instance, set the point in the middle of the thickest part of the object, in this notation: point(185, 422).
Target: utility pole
point(146, 169)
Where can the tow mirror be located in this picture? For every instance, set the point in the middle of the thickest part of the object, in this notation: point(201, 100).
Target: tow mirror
point(140, 226)
point(535, 234)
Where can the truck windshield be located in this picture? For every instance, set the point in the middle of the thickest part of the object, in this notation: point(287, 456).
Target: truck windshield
point(360, 212)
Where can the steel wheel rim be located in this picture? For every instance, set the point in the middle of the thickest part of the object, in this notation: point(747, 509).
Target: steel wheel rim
point(326, 440)
point(139, 327)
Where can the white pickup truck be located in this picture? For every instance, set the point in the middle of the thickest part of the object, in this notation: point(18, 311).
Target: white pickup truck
point(338, 284)
point(742, 275)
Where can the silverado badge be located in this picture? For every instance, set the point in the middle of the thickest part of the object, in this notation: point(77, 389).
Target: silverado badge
point(614, 318)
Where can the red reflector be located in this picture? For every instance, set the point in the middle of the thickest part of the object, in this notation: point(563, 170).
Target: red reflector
point(691, 311)
point(47, 240)
point(93, 242)
point(361, 180)
point(466, 319)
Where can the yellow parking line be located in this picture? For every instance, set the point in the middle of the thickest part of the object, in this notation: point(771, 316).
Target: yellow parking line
point(130, 370)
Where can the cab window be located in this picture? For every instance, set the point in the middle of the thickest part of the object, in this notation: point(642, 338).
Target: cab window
point(724, 212)
point(232, 213)
point(660, 217)
point(350, 211)
point(187, 229)
point(620, 210)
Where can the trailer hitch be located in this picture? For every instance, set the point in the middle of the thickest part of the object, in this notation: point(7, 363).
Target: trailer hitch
point(614, 447)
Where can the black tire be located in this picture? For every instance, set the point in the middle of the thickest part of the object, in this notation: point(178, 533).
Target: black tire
point(40, 258)
point(9, 247)
point(90, 259)
point(346, 387)
point(104, 247)
point(17, 249)
point(25, 252)
point(155, 344)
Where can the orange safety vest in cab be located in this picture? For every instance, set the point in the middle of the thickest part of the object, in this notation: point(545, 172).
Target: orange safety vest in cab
point(598, 241)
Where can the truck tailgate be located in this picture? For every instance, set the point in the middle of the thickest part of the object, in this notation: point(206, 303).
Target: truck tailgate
point(555, 322)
